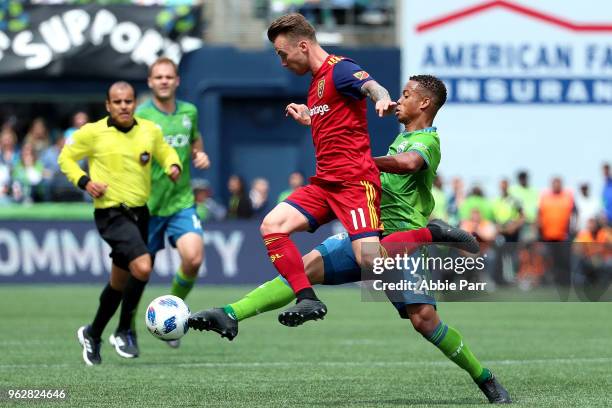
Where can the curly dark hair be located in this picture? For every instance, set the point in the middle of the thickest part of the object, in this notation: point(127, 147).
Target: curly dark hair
point(434, 86)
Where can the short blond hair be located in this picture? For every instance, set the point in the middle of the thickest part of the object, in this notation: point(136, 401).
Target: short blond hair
point(163, 60)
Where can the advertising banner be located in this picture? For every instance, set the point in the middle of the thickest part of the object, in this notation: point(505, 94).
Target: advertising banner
point(526, 82)
point(73, 252)
point(93, 41)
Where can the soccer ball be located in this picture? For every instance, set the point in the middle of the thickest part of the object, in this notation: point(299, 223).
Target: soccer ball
point(166, 317)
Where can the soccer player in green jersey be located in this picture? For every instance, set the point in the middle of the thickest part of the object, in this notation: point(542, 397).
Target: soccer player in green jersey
point(171, 205)
point(407, 173)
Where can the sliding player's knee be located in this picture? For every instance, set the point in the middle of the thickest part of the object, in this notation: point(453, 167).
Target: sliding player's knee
point(366, 250)
point(313, 265)
point(424, 318)
point(365, 259)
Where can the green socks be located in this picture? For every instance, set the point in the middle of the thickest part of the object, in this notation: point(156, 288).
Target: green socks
point(450, 342)
point(269, 296)
point(181, 284)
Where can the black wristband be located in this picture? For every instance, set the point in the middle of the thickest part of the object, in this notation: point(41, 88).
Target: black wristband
point(82, 183)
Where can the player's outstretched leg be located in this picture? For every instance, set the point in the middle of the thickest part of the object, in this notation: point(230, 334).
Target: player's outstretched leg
point(303, 311)
point(91, 346)
point(269, 296)
point(437, 231)
point(275, 229)
point(456, 237)
point(217, 320)
point(494, 391)
point(449, 341)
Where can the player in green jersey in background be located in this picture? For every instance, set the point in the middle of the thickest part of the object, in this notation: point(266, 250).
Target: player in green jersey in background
point(407, 174)
point(171, 205)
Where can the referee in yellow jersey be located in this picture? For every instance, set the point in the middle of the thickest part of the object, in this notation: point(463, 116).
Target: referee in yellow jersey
point(119, 149)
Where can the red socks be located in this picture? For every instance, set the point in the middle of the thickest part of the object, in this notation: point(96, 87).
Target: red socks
point(410, 241)
point(287, 260)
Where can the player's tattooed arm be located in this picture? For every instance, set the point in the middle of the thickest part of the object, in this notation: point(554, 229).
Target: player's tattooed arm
point(299, 113)
point(380, 96)
point(402, 163)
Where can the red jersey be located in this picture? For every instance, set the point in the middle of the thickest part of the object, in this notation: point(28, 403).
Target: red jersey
point(339, 124)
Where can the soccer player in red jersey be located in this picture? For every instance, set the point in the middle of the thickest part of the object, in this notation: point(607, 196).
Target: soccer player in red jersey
point(347, 183)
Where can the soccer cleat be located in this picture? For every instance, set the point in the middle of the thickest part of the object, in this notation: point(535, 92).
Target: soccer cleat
point(174, 343)
point(444, 233)
point(124, 343)
point(91, 347)
point(215, 319)
point(494, 391)
point(302, 311)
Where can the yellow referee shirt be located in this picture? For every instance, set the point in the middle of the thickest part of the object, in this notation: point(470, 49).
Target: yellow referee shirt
point(120, 160)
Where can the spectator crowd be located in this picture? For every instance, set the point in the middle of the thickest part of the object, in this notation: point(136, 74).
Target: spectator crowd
point(518, 213)
point(29, 172)
point(329, 13)
point(532, 237)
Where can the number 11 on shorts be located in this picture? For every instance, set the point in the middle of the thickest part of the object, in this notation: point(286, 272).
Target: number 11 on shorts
point(361, 217)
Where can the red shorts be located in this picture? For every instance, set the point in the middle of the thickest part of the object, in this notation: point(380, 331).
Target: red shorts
point(356, 204)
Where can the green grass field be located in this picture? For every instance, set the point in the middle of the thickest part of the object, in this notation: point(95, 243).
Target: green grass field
point(361, 355)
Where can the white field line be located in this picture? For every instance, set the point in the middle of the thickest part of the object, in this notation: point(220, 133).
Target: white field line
point(348, 364)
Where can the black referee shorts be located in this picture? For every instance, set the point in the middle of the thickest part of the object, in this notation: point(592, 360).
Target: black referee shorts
point(126, 231)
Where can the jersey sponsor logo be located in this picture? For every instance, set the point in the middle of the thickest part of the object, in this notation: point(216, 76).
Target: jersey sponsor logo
point(361, 75)
point(179, 140)
point(319, 110)
point(402, 147)
point(145, 157)
point(187, 122)
point(320, 88)
point(419, 146)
